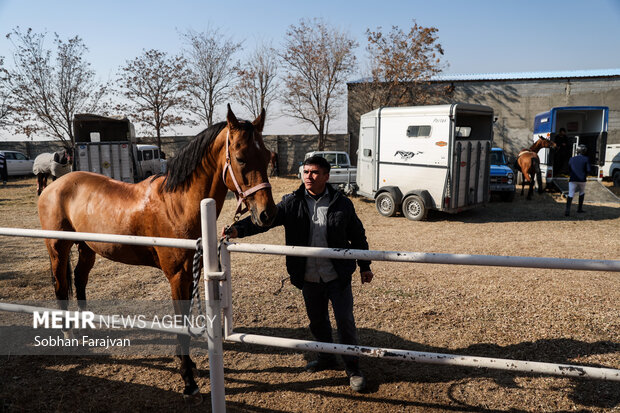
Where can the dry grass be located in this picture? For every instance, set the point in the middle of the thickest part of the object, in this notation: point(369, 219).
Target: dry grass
point(527, 314)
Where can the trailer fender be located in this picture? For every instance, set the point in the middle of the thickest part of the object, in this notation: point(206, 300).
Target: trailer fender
point(425, 195)
point(394, 191)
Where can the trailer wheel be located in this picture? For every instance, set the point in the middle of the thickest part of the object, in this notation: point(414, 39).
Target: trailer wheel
point(385, 204)
point(616, 178)
point(414, 208)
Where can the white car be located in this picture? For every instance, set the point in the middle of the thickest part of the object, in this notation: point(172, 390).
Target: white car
point(17, 163)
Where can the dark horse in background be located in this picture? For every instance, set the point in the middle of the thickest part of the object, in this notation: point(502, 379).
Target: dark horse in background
point(529, 165)
point(54, 164)
point(168, 205)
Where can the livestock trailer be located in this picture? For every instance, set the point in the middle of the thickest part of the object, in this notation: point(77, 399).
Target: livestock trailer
point(585, 125)
point(106, 146)
point(425, 157)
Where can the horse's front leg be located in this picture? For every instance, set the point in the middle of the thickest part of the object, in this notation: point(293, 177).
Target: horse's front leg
point(181, 285)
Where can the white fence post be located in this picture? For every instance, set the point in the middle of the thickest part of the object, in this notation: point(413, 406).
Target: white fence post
point(214, 309)
point(226, 289)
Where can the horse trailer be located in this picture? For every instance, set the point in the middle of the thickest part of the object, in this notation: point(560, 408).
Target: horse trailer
point(425, 157)
point(585, 125)
point(107, 146)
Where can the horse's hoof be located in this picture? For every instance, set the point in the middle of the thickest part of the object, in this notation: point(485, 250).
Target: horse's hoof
point(68, 334)
point(194, 399)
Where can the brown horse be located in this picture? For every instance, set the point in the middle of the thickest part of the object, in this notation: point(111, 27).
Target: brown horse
point(529, 165)
point(228, 155)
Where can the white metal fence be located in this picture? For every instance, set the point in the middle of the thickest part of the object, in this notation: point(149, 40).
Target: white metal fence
point(219, 299)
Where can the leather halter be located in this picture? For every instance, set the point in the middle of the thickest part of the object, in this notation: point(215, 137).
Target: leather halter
point(241, 195)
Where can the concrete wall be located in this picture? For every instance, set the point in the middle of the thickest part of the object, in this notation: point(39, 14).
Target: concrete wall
point(516, 102)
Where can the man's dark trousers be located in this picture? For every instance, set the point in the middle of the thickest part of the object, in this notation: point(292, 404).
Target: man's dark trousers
point(317, 297)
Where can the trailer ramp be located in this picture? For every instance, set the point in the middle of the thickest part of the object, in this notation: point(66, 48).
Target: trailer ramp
point(596, 192)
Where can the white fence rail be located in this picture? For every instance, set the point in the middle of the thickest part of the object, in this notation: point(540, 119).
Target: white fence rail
point(414, 356)
point(431, 258)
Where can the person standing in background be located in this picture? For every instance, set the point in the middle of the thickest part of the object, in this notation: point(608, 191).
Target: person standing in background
point(579, 167)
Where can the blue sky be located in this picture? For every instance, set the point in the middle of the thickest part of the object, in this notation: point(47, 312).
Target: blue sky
point(478, 36)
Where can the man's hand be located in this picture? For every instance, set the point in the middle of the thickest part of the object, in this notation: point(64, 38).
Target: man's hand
point(231, 232)
point(367, 276)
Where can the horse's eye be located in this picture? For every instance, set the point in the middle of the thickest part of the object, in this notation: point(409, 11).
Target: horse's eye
point(241, 162)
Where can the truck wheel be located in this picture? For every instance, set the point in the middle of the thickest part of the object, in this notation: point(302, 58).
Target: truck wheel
point(385, 204)
point(616, 178)
point(414, 208)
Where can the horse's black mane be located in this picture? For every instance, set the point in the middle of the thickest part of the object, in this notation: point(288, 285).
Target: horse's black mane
point(181, 167)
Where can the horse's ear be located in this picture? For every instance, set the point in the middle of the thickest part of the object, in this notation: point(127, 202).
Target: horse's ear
point(259, 122)
point(233, 123)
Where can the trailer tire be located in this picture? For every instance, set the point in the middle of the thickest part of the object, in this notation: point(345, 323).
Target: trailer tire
point(616, 178)
point(385, 204)
point(414, 208)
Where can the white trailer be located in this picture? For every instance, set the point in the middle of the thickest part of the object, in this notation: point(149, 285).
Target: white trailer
point(425, 157)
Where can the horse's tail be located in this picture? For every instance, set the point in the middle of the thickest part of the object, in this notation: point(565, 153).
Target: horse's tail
point(536, 167)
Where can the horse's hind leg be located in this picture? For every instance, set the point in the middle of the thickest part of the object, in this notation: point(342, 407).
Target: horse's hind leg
point(86, 260)
point(59, 259)
point(531, 189)
point(61, 273)
point(181, 293)
point(41, 183)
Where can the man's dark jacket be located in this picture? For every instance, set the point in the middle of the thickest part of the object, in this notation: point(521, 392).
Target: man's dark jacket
point(579, 168)
point(344, 230)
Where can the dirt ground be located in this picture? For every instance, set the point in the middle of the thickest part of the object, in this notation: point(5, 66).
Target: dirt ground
point(556, 316)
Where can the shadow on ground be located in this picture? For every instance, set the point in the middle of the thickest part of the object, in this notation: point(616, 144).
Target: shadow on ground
point(543, 207)
point(594, 393)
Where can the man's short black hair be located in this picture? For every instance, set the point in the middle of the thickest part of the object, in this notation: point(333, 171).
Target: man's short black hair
point(319, 161)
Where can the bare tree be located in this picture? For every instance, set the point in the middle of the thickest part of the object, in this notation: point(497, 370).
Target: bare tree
point(47, 89)
point(401, 66)
point(155, 85)
point(318, 58)
point(212, 70)
point(5, 96)
point(257, 85)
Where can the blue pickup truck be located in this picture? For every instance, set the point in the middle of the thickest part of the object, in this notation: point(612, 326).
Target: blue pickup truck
point(502, 177)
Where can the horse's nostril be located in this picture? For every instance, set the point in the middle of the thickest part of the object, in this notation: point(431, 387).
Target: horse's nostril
point(266, 217)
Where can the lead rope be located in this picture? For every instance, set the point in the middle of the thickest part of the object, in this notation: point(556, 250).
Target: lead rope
point(195, 299)
point(197, 270)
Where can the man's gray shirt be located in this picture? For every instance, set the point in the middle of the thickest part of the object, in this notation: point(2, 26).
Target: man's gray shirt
point(318, 269)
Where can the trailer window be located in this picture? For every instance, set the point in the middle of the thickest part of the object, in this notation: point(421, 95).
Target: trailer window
point(148, 155)
point(473, 126)
point(330, 157)
point(419, 131)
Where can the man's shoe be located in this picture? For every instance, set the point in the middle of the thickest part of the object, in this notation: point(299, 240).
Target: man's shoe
point(320, 365)
point(357, 381)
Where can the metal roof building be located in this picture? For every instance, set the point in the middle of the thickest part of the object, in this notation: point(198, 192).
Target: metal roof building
point(515, 97)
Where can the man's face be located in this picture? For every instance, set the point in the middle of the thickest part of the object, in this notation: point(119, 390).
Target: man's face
point(315, 179)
